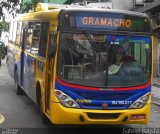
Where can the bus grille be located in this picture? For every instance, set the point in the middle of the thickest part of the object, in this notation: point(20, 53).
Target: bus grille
point(103, 115)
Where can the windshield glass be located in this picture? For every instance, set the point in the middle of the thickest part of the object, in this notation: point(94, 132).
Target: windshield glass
point(85, 58)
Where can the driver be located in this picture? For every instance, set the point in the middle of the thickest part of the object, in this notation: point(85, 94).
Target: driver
point(117, 53)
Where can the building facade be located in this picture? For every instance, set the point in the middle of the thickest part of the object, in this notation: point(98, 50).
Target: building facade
point(152, 8)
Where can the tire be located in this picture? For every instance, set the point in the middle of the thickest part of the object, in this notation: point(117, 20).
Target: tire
point(43, 116)
point(18, 89)
point(44, 119)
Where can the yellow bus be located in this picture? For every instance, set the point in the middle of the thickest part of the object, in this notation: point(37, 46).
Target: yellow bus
point(83, 65)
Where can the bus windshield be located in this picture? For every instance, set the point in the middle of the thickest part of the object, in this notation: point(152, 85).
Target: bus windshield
point(84, 59)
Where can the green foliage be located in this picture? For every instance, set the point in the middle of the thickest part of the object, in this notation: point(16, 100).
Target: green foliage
point(3, 49)
point(27, 6)
point(34, 3)
point(10, 6)
point(4, 26)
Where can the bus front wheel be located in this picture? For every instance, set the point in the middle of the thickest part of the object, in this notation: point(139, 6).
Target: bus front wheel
point(40, 106)
point(43, 116)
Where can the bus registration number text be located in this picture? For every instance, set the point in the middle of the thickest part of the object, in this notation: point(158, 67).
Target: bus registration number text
point(121, 102)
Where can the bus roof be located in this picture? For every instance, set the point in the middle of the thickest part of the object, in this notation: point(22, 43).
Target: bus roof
point(49, 8)
point(107, 11)
point(57, 12)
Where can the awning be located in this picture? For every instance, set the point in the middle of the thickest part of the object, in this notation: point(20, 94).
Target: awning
point(153, 7)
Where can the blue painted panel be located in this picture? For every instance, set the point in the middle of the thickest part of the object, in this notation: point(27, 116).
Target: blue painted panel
point(99, 97)
point(29, 75)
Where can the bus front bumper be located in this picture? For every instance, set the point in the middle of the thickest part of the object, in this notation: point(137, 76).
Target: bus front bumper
point(62, 115)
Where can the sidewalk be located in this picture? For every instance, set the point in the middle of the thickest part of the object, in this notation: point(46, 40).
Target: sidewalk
point(156, 91)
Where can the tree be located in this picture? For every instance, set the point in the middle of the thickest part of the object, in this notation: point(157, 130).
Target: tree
point(3, 49)
point(10, 6)
point(4, 26)
point(27, 6)
point(14, 6)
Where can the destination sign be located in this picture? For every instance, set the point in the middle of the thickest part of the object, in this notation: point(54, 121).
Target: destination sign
point(105, 21)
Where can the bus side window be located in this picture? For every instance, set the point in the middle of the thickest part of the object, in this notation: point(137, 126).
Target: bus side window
point(28, 37)
point(36, 37)
point(43, 39)
point(18, 34)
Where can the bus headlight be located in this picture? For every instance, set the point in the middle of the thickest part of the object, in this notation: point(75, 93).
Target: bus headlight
point(141, 102)
point(65, 100)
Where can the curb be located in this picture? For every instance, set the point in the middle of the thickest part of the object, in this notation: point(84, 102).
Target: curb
point(156, 103)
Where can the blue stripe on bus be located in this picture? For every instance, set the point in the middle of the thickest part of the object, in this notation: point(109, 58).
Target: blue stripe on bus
point(100, 96)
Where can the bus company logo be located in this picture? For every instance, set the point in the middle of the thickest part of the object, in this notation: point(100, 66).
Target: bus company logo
point(83, 101)
point(104, 105)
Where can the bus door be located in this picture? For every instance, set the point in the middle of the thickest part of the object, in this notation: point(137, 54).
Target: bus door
point(49, 70)
point(22, 59)
point(28, 60)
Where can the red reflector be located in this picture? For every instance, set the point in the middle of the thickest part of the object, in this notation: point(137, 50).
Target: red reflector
point(138, 117)
point(58, 92)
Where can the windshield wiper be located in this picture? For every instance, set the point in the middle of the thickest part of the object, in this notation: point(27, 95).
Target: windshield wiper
point(126, 39)
point(93, 44)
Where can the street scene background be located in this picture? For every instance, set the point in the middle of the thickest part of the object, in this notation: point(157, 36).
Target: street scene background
point(19, 115)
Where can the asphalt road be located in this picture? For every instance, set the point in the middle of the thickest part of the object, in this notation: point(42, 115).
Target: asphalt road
point(21, 116)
